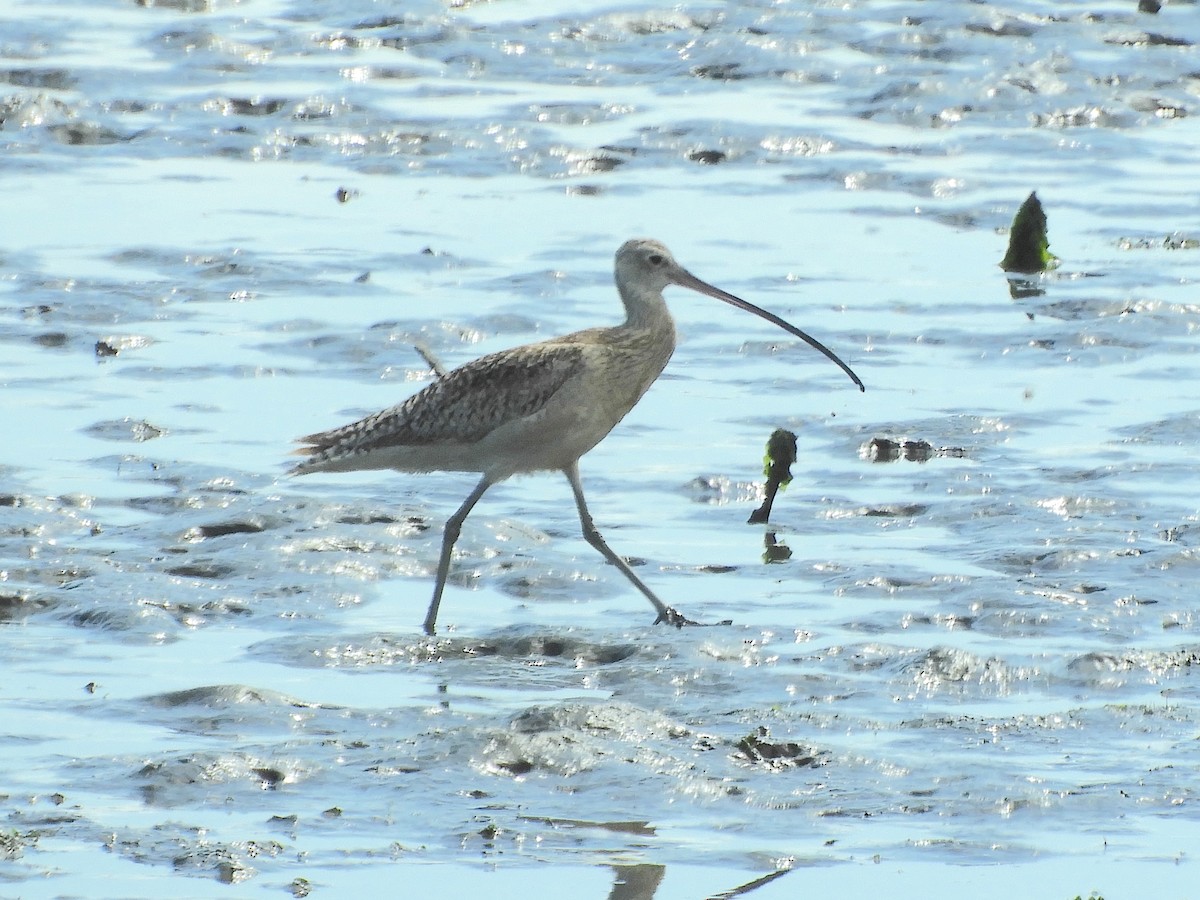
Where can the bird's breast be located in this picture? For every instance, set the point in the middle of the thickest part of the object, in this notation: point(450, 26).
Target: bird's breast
point(612, 378)
point(629, 361)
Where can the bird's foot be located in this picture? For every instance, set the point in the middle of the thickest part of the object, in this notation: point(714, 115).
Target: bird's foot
point(674, 617)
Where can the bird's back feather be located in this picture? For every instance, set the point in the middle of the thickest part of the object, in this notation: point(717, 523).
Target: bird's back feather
point(460, 408)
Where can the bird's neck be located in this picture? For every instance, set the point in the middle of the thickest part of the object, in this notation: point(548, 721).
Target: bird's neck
point(647, 338)
point(647, 311)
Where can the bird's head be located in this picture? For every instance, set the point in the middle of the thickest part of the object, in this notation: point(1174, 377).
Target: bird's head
point(644, 267)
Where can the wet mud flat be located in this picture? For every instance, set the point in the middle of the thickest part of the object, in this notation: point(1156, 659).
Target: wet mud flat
point(966, 640)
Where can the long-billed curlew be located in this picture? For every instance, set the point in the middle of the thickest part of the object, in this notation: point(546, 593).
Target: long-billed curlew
point(534, 408)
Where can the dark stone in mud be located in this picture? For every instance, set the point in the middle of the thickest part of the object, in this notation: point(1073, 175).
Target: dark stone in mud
point(85, 134)
point(895, 510)
point(271, 778)
point(15, 604)
point(549, 646)
point(721, 72)
point(253, 525)
point(52, 339)
point(755, 748)
point(882, 449)
point(517, 767)
point(14, 842)
point(201, 570)
point(127, 429)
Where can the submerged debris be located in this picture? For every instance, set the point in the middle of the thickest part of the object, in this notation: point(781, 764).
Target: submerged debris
point(777, 466)
point(1028, 241)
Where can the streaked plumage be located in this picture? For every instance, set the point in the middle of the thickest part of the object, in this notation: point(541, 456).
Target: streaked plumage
point(447, 414)
point(537, 407)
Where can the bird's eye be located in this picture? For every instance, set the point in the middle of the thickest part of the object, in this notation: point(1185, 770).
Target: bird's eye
point(656, 259)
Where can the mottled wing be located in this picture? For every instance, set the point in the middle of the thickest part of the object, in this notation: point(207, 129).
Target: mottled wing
point(459, 408)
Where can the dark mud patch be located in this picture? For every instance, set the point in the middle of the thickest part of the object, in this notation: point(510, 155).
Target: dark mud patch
point(759, 749)
point(882, 449)
point(381, 650)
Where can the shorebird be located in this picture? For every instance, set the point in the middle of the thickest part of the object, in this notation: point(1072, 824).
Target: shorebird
point(534, 408)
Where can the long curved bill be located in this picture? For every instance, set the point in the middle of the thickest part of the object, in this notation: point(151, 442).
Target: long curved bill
point(686, 279)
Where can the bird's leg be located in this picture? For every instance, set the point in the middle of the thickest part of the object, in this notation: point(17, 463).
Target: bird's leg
point(449, 537)
point(592, 536)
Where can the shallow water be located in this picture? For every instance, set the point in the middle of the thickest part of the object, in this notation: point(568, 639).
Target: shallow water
point(227, 224)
